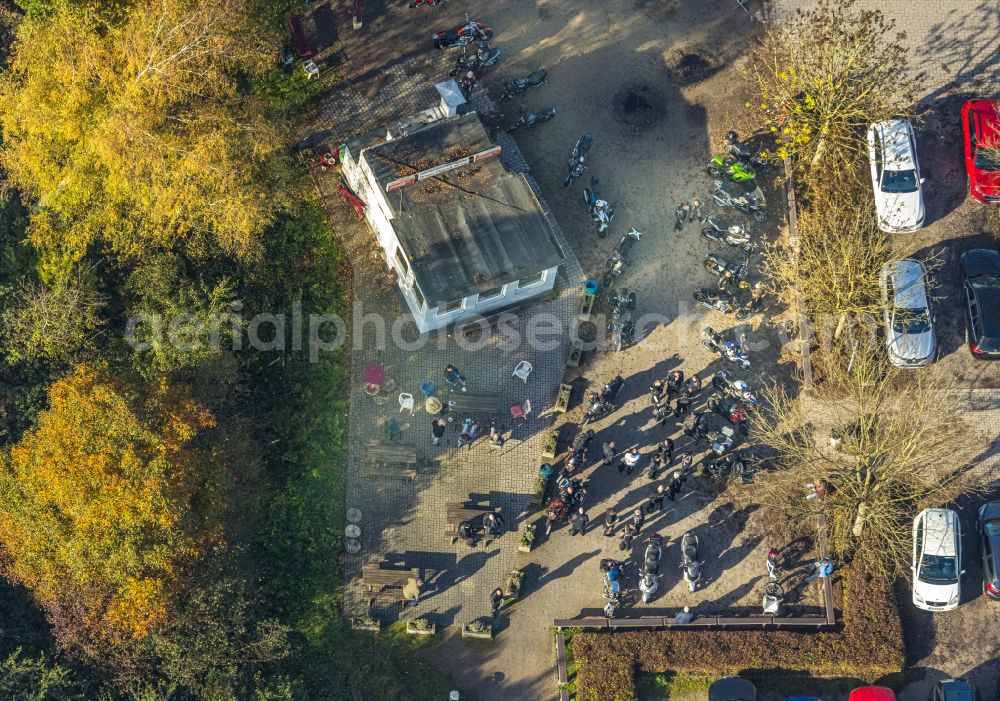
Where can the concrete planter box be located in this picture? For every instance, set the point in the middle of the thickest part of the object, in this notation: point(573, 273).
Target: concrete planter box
point(527, 541)
point(366, 624)
point(551, 445)
point(470, 630)
point(538, 492)
point(512, 590)
point(420, 626)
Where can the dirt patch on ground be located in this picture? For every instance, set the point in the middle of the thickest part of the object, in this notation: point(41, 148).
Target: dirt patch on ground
point(638, 107)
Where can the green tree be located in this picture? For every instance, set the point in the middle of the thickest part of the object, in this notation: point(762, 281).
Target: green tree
point(137, 136)
point(36, 679)
point(107, 504)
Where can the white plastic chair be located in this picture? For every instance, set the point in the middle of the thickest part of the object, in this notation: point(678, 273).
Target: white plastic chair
point(522, 371)
point(406, 402)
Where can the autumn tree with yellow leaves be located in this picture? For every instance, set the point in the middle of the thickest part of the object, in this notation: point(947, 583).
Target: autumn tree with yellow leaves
point(135, 135)
point(822, 77)
point(108, 503)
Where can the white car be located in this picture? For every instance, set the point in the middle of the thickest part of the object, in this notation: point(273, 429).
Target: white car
point(906, 312)
point(899, 196)
point(937, 560)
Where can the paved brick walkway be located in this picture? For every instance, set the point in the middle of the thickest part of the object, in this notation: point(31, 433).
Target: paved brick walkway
point(953, 45)
point(403, 521)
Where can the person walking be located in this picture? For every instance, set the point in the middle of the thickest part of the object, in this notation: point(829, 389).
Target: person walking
point(638, 518)
point(662, 412)
point(687, 457)
point(674, 486)
point(626, 536)
point(656, 500)
point(823, 568)
point(656, 392)
point(682, 404)
point(496, 601)
point(454, 378)
point(694, 384)
point(608, 451)
point(496, 438)
point(666, 451)
point(655, 463)
point(629, 460)
point(411, 592)
point(438, 427)
point(579, 522)
point(675, 381)
point(610, 521)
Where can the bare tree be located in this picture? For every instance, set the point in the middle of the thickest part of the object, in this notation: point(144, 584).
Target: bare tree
point(868, 450)
point(836, 267)
point(823, 77)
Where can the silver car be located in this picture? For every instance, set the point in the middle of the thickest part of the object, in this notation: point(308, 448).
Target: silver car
point(906, 310)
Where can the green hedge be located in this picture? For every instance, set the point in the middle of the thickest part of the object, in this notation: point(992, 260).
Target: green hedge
point(868, 645)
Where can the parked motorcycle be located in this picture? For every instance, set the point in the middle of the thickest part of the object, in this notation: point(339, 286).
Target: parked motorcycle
point(649, 581)
point(722, 302)
point(616, 264)
point(733, 351)
point(737, 389)
point(612, 570)
point(597, 409)
point(721, 440)
point(611, 389)
point(747, 202)
point(601, 211)
point(575, 165)
point(462, 35)
point(690, 563)
point(621, 327)
point(744, 153)
point(517, 86)
point(484, 57)
point(575, 498)
point(530, 119)
point(729, 273)
point(729, 167)
point(732, 235)
point(730, 409)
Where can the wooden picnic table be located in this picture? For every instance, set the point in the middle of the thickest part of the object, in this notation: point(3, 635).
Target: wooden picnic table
point(457, 512)
point(378, 576)
point(475, 402)
point(393, 452)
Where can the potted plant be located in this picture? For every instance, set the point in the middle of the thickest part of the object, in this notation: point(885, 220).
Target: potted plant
point(527, 539)
point(478, 629)
point(420, 626)
point(513, 588)
point(366, 623)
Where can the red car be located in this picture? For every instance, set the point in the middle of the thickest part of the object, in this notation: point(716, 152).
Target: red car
point(981, 131)
point(872, 693)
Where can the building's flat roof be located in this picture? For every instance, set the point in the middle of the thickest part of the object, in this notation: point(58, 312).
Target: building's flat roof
point(486, 231)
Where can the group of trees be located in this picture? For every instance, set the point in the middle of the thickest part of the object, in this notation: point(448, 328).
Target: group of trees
point(883, 443)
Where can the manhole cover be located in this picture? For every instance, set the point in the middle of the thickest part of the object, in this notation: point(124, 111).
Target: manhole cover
point(638, 105)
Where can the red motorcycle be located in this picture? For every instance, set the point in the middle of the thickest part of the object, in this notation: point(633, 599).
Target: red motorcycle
point(462, 35)
point(557, 510)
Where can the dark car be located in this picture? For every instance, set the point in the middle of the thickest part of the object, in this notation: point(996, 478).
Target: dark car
point(732, 688)
point(988, 527)
point(981, 282)
point(954, 690)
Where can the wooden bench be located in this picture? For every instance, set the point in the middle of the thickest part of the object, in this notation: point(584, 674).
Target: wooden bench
point(481, 324)
point(378, 576)
point(299, 39)
point(475, 403)
point(391, 454)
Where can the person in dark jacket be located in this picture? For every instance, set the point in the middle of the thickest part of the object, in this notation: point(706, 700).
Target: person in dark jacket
point(656, 500)
point(666, 451)
point(610, 521)
point(675, 382)
point(608, 451)
point(579, 522)
point(437, 431)
point(674, 486)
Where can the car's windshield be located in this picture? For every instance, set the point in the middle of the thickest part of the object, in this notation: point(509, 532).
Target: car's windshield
point(992, 526)
point(988, 159)
point(911, 320)
point(937, 569)
point(899, 181)
point(985, 281)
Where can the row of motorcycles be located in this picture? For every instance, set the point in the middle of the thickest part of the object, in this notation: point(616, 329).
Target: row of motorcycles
point(734, 183)
point(649, 575)
point(470, 66)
